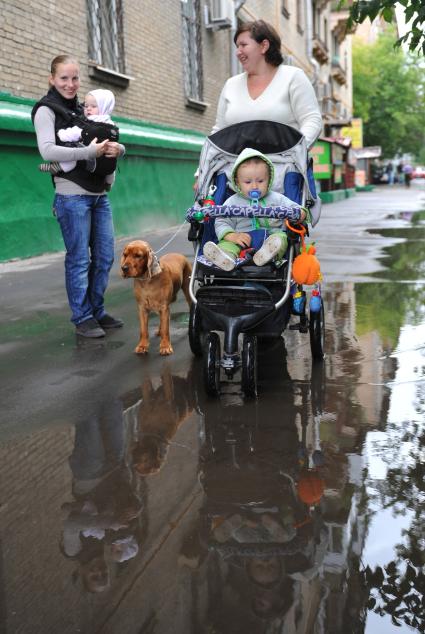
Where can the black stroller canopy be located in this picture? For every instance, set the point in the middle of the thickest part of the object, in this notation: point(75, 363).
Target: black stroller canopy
point(268, 137)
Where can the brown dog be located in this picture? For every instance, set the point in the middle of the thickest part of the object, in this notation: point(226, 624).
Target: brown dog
point(156, 284)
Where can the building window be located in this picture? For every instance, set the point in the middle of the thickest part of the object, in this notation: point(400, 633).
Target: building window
point(316, 21)
point(192, 50)
point(300, 17)
point(335, 50)
point(285, 8)
point(105, 28)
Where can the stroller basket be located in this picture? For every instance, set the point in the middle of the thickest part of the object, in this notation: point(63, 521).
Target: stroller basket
point(234, 300)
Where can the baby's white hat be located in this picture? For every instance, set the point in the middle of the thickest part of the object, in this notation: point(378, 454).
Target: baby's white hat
point(105, 100)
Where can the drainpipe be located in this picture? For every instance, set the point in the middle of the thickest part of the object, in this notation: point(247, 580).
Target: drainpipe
point(309, 30)
point(237, 4)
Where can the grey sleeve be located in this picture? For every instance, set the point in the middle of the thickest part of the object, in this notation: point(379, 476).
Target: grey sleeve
point(222, 226)
point(44, 124)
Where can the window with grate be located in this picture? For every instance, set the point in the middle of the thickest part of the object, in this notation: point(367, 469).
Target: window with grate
point(106, 39)
point(285, 8)
point(316, 21)
point(300, 17)
point(192, 49)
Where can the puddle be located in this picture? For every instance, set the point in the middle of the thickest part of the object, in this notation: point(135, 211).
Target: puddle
point(300, 511)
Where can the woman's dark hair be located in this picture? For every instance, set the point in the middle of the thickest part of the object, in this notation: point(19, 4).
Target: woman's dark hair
point(260, 31)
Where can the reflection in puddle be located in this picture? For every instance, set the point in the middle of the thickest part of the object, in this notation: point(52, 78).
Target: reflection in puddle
point(161, 412)
point(261, 533)
point(104, 525)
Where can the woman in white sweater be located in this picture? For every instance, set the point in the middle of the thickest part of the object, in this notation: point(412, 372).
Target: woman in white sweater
point(267, 89)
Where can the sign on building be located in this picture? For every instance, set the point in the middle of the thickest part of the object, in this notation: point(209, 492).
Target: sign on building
point(322, 165)
point(354, 132)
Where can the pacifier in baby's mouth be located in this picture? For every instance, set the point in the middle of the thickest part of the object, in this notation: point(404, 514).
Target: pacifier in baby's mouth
point(254, 196)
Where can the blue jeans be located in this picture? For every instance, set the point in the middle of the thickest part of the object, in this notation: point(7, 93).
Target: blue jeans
point(88, 234)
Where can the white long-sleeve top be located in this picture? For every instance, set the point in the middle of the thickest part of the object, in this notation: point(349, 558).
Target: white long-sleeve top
point(289, 99)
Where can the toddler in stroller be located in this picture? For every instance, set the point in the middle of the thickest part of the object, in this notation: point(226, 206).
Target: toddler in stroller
point(252, 179)
point(247, 299)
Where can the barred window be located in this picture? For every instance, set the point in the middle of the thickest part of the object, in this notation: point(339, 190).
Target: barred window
point(300, 17)
point(105, 28)
point(192, 49)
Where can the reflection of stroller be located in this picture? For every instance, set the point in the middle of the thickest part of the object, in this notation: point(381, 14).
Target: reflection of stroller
point(262, 500)
point(254, 301)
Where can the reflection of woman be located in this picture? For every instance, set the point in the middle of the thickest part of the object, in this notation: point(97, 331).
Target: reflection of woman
point(267, 89)
point(102, 523)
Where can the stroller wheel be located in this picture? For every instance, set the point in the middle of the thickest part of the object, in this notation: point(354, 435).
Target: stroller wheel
point(195, 331)
point(212, 357)
point(317, 333)
point(249, 366)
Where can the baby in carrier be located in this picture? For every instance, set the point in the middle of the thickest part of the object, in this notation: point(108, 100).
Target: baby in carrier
point(98, 107)
point(252, 179)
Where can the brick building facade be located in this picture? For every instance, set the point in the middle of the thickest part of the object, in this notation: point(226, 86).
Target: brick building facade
point(166, 63)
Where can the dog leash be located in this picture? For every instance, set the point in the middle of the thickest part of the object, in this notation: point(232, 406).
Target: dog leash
point(172, 238)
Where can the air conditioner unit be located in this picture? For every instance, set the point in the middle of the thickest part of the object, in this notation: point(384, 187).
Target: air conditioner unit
point(219, 14)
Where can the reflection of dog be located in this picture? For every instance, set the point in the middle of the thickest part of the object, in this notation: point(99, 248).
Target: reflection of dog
point(161, 413)
point(156, 284)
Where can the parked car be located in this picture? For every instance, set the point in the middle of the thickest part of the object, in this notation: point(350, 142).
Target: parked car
point(418, 172)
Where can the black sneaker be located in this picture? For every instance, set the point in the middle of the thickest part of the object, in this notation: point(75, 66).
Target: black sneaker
point(89, 328)
point(110, 322)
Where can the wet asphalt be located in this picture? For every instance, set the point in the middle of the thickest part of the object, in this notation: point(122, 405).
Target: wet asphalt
point(130, 502)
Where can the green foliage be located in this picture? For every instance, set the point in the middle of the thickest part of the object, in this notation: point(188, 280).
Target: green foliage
point(388, 94)
point(414, 10)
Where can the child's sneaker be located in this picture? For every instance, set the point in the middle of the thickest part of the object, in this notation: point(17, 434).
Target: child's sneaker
point(52, 168)
point(219, 257)
point(271, 247)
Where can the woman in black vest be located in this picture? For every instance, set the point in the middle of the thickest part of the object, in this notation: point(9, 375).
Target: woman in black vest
point(81, 205)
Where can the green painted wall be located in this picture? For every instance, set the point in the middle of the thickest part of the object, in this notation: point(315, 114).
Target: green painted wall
point(153, 186)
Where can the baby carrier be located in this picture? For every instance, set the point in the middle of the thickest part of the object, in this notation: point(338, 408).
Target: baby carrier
point(101, 131)
point(89, 130)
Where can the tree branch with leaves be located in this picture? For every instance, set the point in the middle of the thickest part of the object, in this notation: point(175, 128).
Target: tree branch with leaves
point(414, 15)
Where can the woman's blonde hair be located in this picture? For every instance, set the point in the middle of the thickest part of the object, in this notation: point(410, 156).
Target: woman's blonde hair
point(61, 59)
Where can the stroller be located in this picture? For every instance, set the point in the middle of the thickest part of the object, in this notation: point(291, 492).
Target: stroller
point(255, 302)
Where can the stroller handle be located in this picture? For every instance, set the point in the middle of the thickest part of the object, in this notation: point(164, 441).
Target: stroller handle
point(198, 214)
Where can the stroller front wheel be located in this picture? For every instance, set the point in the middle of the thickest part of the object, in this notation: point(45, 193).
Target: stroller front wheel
point(249, 366)
point(212, 358)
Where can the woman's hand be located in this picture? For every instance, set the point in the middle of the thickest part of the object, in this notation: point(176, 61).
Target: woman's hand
point(241, 239)
point(113, 149)
point(100, 147)
point(302, 216)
